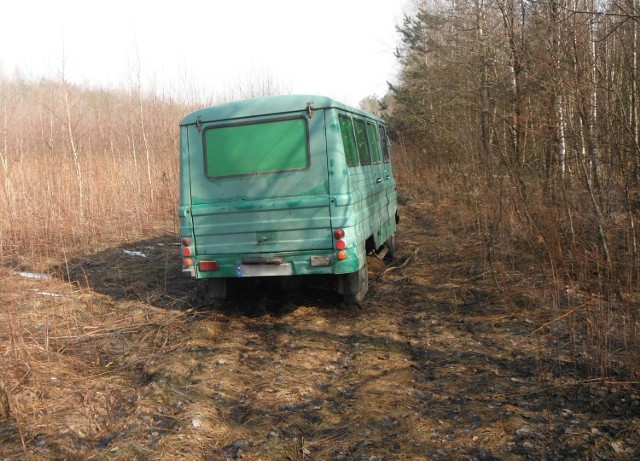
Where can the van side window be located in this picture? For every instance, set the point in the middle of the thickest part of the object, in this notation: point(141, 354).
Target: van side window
point(361, 141)
point(384, 143)
point(348, 141)
point(373, 143)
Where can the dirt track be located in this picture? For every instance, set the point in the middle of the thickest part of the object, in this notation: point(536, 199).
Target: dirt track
point(129, 362)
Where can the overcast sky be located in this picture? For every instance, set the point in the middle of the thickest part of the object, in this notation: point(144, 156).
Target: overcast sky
point(338, 48)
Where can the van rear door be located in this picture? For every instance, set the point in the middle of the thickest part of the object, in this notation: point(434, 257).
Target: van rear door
point(259, 185)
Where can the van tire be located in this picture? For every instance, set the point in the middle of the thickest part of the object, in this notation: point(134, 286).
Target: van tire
point(391, 248)
point(354, 287)
point(217, 289)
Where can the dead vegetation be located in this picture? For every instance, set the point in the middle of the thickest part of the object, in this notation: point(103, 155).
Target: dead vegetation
point(114, 356)
point(467, 347)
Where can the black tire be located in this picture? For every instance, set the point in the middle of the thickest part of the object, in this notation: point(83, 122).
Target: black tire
point(217, 289)
point(391, 248)
point(354, 287)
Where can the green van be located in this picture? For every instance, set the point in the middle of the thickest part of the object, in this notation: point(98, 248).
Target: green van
point(284, 186)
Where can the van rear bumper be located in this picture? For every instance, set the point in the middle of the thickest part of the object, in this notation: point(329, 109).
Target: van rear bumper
point(313, 262)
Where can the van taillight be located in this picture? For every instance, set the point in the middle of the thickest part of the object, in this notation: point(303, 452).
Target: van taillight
point(186, 251)
point(340, 244)
point(208, 266)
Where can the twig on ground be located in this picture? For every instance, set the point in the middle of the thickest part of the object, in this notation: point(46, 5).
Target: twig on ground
point(404, 264)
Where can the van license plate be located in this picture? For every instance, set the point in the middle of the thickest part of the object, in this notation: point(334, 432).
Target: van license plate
point(264, 270)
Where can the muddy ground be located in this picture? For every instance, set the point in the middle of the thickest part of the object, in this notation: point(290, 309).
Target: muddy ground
point(116, 356)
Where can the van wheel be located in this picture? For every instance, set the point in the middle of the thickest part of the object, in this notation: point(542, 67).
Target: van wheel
point(217, 289)
point(354, 287)
point(391, 248)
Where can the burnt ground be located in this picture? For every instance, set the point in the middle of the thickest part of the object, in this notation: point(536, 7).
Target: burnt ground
point(116, 356)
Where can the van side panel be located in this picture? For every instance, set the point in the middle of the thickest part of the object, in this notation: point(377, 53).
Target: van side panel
point(359, 202)
point(342, 204)
point(390, 180)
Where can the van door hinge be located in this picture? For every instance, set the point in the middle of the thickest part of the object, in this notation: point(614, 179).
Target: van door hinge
point(310, 109)
point(199, 124)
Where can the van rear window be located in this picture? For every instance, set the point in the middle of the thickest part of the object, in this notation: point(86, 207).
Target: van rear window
point(253, 148)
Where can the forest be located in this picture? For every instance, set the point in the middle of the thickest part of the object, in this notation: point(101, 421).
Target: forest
point(529, 112)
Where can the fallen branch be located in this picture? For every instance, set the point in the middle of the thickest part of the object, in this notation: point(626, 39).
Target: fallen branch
point(404, 264)
point(571, 312)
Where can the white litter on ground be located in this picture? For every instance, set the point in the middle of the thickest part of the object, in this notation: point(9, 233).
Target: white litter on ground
point(135, 253)
point(47, 293)
point(31, 275)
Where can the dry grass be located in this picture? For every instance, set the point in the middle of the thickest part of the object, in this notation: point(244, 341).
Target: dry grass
point(123, 359)
point(92, 169)
point(549, 245)
point(81, 170)
point(110, 355)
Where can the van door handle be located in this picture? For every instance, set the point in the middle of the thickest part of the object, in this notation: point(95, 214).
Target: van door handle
point(388, 177)
point(379, 180)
